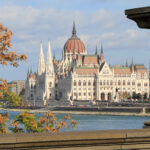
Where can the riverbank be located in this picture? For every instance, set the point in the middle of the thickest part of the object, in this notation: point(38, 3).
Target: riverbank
point(119, 111)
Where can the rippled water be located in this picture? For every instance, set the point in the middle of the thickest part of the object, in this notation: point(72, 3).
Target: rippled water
point(100, 122)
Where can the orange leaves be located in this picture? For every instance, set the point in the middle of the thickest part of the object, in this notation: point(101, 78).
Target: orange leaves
point(67, 117)
point(5, 43)
point(3, 125)
point(29, 123)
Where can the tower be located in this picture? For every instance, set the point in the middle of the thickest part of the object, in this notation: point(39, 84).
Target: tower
point(40, 83)
point(49, 77)
point(41, 64)
point(96, 50)
point(101, 55)
point(74, 30)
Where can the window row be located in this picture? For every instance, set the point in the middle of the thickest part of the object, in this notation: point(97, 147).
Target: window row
point(79, 83)
point(84, 94)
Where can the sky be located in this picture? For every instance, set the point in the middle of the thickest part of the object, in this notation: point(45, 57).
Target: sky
point(98, 22)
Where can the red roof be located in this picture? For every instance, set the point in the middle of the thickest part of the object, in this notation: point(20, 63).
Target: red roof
point(86, 71)
point(88, 59)
point(74, 43)
point(122, 71)
point(141, 71)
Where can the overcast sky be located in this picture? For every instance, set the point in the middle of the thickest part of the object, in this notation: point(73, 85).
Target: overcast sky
point(97, 22)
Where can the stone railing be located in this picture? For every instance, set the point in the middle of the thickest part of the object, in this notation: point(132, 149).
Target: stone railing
point(85, 140)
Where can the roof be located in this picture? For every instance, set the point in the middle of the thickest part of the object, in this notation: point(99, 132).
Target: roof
point(90, 59)
point(122, 70)
point(74, 44)
point(86, 70)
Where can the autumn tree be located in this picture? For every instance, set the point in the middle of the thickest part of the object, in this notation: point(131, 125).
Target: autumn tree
point(47, 123)
point(7, 57)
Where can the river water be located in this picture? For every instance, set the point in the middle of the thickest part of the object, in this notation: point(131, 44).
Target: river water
point(99, 122)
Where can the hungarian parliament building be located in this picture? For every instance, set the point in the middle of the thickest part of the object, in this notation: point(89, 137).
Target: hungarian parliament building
point(80, 76)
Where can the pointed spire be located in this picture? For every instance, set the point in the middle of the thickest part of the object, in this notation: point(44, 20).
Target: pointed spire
point(101, 49)
point(74, 30)
point(41, 64)
point(49, 61)
point(102, 54)
point(132, 65)
point(126, 63)
point(28, 72)
point(96, 50)
point(132, 62)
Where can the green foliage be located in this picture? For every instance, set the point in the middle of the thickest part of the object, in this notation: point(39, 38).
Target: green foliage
point(145, 96)
point(22, 92)
point(47, 123)
point(12, 98)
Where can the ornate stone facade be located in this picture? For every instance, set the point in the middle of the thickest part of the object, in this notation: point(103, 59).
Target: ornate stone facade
point(80, 76)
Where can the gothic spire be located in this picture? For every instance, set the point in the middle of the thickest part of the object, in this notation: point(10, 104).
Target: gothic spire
point(41, 64)
point(49, 61)
point(101, 49)
point(96, 50)
point(74, 30)
point(126, 63)
point(102, 54)
point(132, 62)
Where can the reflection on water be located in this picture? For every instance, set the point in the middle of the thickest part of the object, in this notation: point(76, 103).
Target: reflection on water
point(99, 122)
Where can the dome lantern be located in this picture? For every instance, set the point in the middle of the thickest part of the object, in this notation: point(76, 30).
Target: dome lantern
point(74, 44)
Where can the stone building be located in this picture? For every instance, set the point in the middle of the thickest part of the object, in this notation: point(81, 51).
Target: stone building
point(17, 86)
point(82, 77)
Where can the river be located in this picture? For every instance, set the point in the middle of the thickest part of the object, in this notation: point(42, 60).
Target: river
point(99, 122)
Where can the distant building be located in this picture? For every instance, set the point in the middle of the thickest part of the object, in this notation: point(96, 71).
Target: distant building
point(81, 77)
point(17, 86)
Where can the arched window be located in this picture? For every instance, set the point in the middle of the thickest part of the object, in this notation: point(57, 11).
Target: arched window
point(50, 84)
point(84, 83)
point(89, 83)
point(128, 82)
point(93, 83)
point(104, 82)
point(79, 83)
point(119, 83)
point(100, 82)
point(124, 83)
point(133, 82)
point(75, 83)
point(107, 82)
point(111, 82)
point(145, 84)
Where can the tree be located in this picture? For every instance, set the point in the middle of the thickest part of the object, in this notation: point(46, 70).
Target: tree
point(22, 93)
point(134, 95)
point(139, 96)
point(46, 123)
point(145, 96)
point(7, 57)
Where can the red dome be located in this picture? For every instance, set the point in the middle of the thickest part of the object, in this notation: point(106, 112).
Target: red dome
point(74, 43)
